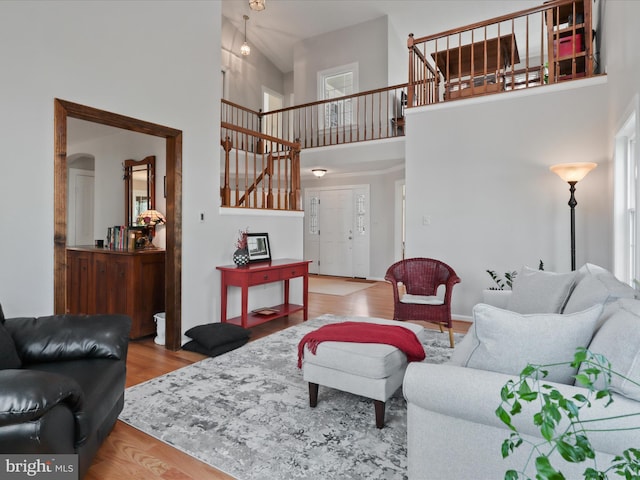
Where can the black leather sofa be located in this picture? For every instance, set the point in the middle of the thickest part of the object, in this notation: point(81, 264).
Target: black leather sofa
point(62, 388)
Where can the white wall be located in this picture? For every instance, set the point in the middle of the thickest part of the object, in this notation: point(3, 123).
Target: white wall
point(620, 55)
point(365, 43)
point(247, 75)
point(158, 62)
point(479, 169)
point(398, 55)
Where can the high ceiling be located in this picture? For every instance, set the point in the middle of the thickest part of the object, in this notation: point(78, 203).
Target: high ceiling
point(275, 30)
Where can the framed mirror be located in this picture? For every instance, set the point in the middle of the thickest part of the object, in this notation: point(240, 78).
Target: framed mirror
point(139, 187)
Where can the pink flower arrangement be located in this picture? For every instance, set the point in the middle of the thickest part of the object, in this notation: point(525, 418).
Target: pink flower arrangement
point(241, 242)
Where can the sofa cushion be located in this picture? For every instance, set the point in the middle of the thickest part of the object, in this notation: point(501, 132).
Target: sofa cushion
point(505, 341)
point(619, 341)
point(8, 354)
point(212, 335)
point(598, 286)
point(537, 291)
point(70, 337)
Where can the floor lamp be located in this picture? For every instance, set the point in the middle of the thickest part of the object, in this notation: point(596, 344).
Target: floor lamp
point(572, 173)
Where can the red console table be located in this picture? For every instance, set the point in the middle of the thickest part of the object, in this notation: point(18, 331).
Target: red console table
point(281, 270)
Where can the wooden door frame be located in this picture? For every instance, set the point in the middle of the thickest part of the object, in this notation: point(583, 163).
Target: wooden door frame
point(173, 261)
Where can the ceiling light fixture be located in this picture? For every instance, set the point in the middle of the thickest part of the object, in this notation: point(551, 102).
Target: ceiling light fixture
point(319, 172)
point(257, 5)
point(245, 49)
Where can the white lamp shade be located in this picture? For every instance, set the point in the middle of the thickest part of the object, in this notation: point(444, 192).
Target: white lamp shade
point(573, 172)
point(257, 5)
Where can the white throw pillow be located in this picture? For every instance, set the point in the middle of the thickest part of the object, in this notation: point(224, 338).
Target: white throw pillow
point(505, 341)
point(601, 287)
point(537, 291)
point(619, 341)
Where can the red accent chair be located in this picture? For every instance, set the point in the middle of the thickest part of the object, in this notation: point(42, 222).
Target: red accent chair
point(415, 283)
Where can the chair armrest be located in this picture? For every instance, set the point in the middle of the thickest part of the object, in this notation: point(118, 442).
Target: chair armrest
point(473, 395)
point(70, 337)
point(451, 282)
point(26, 395)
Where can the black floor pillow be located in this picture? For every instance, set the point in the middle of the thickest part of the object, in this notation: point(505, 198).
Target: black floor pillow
point(216, 338)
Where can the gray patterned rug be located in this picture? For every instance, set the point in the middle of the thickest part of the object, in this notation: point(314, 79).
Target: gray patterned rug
point(247, 413)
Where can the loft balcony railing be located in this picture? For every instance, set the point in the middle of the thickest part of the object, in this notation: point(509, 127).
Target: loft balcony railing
point(370, 115)
point(259, 171)
point(537, 46)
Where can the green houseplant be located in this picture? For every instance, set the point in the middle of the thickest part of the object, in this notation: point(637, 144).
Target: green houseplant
point(501, 283)
point(506, 281)
point(569, 439)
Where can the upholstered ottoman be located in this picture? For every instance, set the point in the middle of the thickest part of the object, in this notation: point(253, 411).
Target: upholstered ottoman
point(372, 370)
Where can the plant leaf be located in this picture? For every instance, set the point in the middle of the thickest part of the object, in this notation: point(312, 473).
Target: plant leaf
point(546, 471)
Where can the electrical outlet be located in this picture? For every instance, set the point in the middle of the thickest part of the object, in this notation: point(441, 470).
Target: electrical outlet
point(201, 217)
point(426, 220)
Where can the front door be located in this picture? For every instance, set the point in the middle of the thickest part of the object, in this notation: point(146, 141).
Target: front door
point(336, 233)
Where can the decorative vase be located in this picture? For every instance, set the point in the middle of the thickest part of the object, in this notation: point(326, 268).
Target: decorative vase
point(241, 257)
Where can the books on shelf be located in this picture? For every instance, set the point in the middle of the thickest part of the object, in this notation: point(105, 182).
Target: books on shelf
point(121, 237)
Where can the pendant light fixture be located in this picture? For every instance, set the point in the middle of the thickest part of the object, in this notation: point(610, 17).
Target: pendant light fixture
point(245, 49)
point(257, 5)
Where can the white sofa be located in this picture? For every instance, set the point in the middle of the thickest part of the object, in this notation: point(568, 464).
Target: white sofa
point(453, 431)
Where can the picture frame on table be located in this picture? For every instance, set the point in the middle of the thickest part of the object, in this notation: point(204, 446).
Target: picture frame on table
point(258, 247)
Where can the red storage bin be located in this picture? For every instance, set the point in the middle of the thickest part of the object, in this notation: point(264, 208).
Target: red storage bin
point(565, 48)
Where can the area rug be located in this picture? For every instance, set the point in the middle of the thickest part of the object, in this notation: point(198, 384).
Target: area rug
point(336, 286)
point(247, 413)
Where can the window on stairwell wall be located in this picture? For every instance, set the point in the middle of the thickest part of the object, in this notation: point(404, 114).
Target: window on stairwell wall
point(627, 189)
point(334, 83)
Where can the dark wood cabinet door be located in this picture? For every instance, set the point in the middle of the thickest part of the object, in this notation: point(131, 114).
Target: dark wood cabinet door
point(106, 281)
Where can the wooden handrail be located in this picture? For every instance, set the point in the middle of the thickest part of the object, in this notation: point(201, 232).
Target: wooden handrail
point(483, 57)
point(264, 176)
point(262, 136)
point(332, 100)
point(371, 115)
point(502, 18)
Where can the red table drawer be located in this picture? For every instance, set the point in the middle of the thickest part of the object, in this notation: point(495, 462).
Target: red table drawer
point(292, 272)
point(264, 276)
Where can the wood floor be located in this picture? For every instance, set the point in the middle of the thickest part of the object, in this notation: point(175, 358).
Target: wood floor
point(131, 454)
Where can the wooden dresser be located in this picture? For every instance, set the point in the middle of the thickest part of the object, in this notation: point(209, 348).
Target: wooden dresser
point(114, 281)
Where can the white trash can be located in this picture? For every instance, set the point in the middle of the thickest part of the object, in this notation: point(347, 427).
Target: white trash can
point(160, 327)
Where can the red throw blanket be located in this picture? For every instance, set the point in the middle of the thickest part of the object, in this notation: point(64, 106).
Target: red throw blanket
point(362, 332)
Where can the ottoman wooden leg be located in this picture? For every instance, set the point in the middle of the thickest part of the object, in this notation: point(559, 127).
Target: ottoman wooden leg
point(379, 406)
point(313, 394)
